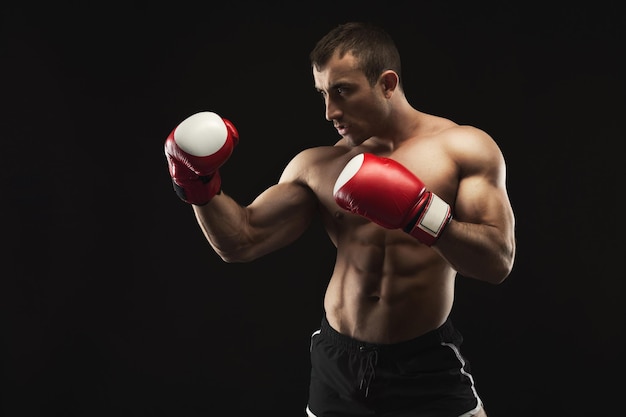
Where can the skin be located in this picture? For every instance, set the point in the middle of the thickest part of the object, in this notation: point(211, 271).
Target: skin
point(381, 277)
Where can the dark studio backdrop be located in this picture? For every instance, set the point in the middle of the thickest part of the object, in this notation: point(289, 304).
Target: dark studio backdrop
point(113, 304)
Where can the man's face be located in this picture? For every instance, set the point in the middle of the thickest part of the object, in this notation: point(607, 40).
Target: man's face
point(351, 103)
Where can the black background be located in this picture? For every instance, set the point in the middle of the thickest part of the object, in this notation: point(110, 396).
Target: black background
point(113, 304)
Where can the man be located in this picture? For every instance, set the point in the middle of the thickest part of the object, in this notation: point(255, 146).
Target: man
point(408, 199)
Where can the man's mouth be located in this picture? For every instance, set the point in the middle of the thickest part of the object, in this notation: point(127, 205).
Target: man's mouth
point(341, 129)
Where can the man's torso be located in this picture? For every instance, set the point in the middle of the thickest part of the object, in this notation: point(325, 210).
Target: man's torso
point(386, 286)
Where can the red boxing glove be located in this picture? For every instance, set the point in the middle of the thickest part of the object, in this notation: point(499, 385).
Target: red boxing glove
point(195, 149)
point(388, 194)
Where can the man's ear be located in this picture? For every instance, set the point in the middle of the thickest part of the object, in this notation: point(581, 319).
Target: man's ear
point(389, 82)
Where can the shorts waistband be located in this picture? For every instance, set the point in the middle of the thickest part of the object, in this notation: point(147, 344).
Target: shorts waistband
point(445, 333)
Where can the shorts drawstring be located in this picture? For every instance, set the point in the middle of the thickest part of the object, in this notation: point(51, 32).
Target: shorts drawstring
point(367, 370)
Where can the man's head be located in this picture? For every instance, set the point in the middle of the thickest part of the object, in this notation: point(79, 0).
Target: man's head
point(374, 49)
point(355, 68)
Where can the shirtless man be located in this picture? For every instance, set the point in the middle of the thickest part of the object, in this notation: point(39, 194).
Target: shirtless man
point(409, 200)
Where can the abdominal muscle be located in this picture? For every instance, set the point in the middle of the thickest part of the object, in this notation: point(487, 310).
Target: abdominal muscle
point(386, 287)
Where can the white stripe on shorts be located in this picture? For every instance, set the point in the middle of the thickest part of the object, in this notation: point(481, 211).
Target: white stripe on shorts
point(309, 413)
point(460, 358)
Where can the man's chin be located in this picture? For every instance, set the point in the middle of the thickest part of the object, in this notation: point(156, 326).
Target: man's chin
point(352, 141)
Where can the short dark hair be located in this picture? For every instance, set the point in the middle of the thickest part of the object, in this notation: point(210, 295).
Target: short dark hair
point(373, 47)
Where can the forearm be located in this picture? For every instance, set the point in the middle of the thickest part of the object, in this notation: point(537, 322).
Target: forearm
point(275, 218)
point(478, 251)
point(222, 222)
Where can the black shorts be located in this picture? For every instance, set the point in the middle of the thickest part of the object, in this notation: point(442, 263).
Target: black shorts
point(425, 376)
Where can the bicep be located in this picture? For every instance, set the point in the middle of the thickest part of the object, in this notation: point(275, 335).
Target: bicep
point(279, 215)
point(482, 196)
point(482, 201)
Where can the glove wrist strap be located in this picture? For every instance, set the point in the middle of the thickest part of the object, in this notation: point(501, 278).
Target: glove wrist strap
point(431, 221)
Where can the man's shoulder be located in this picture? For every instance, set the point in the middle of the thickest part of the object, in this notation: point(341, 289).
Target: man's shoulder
point(457, 133)
point(471, 144)
point(322, 153)
point(314, 160)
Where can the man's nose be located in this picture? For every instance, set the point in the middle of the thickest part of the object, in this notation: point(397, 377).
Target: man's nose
point(332, 111)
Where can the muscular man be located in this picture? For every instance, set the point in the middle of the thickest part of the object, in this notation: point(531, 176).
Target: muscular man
point(409, 200)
